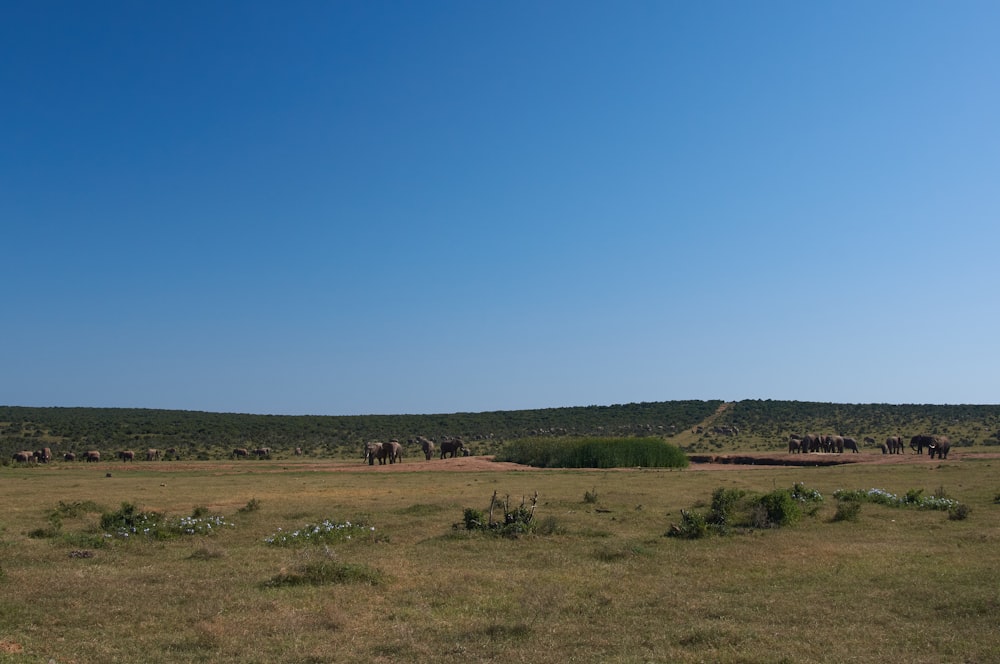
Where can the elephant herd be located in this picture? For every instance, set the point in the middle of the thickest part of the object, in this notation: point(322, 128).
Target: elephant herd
point(815, 443)
point(393, 450)
point(44, 455)
point(936, 445)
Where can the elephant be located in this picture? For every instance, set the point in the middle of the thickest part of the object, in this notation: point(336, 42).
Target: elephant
point(895, 444)
point(393, 450)
point(263, 452)
point(810, 443)
point(69, 456)
point(869, 440)
point(884, 448)
point(43, 455)
point(920, 441)
point(794, 445)
point(92, 456)
point(298, 451)
point(23, 457)
point(835, 444)
point(126, 455)
point(426, 446)
point(152, 454)
point(172, 453)
point(850, 444)
point(452, 447)
point(940, 446)
point(374, 451)
point(240, 452)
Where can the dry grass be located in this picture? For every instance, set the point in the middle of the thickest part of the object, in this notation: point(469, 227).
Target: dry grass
point(894, 586)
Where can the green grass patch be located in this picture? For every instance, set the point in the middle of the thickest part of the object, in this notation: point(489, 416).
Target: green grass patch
point(594, 453)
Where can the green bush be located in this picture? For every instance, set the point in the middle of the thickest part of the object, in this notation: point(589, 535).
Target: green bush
point(735, 509)
point(594, 453)
point(692, 526)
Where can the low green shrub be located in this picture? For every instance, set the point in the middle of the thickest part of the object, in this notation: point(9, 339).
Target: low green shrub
point(735, 509)
point(510, 522)
point(959, 512)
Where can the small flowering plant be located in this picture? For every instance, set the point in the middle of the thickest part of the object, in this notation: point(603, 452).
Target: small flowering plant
point(913, 498)
point(325, 532)
point(130, 522)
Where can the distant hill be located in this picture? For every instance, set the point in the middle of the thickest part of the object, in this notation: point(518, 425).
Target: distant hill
point(208, 435)
point(693, 425)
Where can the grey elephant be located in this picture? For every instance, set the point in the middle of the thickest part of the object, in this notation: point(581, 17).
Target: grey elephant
point(373, 451)
point(934, 444)
point(940, 445)
point(850, 444)
point(426, 446)
point(810, 443)
point(794, 445)
point(23, 457)
point(393, 450)
point(894, 444)
point(452, 447)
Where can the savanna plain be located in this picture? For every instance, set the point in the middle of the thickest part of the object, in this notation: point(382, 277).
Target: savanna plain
point(598, 580)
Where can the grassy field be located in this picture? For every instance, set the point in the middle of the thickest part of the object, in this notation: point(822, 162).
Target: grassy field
point(600, 582)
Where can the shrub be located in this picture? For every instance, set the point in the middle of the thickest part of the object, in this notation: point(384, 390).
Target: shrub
point(692, 526)
point(253, 505)
point(779, 508)
point(737, 509)
point(590, 496)
point(959, 512)
point(515, 521)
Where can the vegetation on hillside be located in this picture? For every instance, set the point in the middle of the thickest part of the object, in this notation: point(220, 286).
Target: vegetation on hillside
point(694, 426)
point(206, 435)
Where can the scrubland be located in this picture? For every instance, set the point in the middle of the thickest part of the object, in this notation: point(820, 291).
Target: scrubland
point(597, 581)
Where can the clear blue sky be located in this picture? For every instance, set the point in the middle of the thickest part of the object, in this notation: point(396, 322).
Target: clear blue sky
point(433, 207)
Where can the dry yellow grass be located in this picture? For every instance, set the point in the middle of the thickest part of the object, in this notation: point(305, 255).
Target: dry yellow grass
point(607, 586)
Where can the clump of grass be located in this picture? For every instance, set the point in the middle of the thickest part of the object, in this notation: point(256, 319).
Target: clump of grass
point(206, 553)
point(847, 510)
point(590, 497)
point(76, 508)
point(325, 532)
point(594, 453)
point(253, 505)
point(326, 571)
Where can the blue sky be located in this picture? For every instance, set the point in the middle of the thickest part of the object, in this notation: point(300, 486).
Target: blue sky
point(430, 207)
